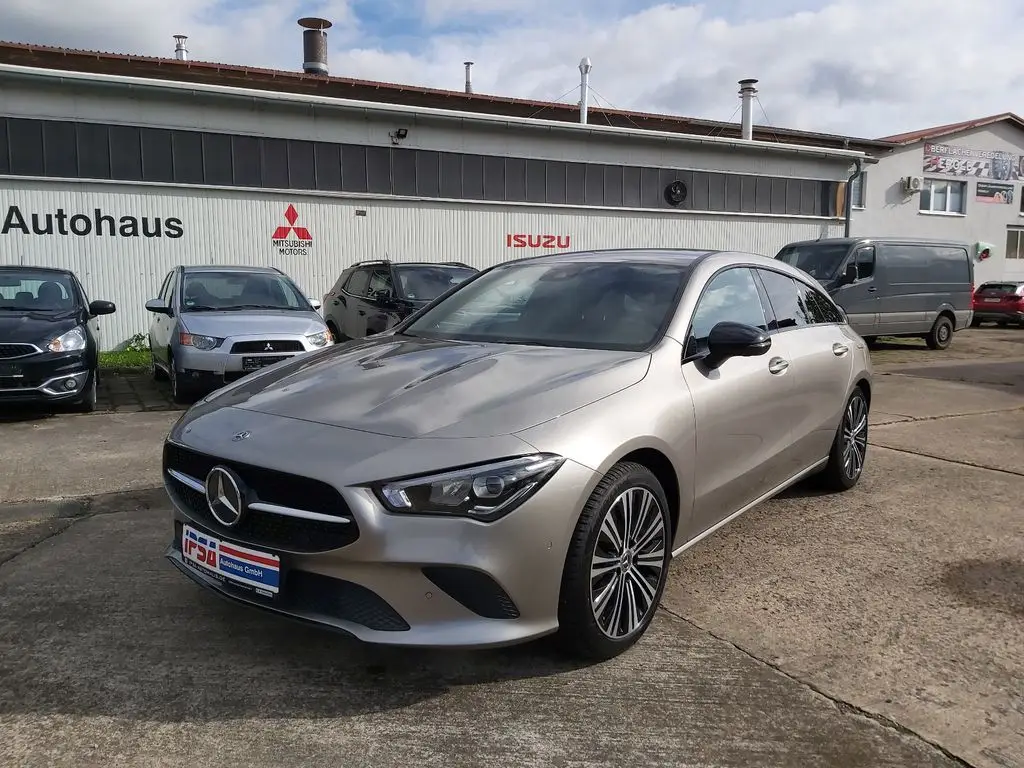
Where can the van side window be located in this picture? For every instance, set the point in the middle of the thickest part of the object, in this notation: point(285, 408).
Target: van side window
point(865, 259)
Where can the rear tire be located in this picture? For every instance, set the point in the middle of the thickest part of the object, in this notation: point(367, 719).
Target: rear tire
point(847, 458)
point(941, 334)
point(624, 537)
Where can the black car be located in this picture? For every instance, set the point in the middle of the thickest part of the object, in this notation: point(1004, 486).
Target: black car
point(48, 338)
point(372, 296)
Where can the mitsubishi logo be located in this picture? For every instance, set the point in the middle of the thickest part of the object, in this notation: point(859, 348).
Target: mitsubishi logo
point(269, 347)
point(224, 496)
point(281, 233)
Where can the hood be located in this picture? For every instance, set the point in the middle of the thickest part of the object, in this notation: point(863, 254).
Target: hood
point(255, 322)
point(410, 387)
point(31, 327)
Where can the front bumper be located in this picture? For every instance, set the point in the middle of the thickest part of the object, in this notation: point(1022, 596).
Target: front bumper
point(235, 357)
point(43, 377)
point(396, 579)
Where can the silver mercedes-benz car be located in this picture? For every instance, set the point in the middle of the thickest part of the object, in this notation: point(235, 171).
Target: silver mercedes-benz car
point(214, 324)
point(525, 455)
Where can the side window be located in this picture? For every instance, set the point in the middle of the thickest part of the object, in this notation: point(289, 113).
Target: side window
point(785, 301)
point(380, 280)
point(730, 295)
point(816, 307)
point(165, 287)
point(865, 260)
point(357, 284)
point(172, 288)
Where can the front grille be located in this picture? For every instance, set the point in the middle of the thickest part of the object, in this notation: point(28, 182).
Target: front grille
point(8, 351)
point(257, 347)
point(16, 382)
point(266, 529)
point(474, 589)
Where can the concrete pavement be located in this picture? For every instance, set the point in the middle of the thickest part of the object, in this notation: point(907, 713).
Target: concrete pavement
point(877, 628)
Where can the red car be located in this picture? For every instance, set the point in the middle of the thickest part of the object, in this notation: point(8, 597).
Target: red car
point(999, 302)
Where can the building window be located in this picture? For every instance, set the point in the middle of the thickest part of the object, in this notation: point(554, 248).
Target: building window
point(857, 190)
point(943, 196)
point(1015, 243)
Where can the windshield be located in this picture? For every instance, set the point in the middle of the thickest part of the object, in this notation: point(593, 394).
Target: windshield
point(36, 291)
point(820, 260)
point(583, 304)
point(422, 282)
point(223, 291)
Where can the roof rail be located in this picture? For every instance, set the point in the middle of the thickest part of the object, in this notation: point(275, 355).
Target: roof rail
point(370, 261)
point(455, 264)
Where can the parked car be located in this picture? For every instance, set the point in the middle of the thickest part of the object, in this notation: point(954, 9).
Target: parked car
point(49, 338)
point(893, 286)
point(525, 456)
point(214, 324)
point(372, 296)
point(1000, 302)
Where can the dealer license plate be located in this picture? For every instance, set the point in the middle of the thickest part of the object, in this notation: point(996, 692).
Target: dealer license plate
point(259, 571)
point(10, 369)
point(255, 363)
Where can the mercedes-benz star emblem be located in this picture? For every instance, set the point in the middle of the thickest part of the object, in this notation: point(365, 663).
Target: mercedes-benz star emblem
point(224, 496)
point(241, 436)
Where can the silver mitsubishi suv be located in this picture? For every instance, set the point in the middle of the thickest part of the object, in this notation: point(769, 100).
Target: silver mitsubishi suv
point(214, 324)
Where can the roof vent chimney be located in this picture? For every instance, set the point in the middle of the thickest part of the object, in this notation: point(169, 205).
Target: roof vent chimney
point(585, 67)
point(180, 51)
point(747, 94)
point(469, 76)
point(314, 45)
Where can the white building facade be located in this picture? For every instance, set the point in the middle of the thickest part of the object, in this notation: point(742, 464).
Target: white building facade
point(962, 182)
point(119, 179)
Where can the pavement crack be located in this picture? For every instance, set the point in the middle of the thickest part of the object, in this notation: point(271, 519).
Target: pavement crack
point(959, 462)
point(945, 416)
point(840, 704)
point(62, 529)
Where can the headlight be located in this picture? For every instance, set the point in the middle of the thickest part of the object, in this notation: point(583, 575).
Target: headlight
point(485, 492)
point(197, 341)
point(319, 339)
point(71, 341)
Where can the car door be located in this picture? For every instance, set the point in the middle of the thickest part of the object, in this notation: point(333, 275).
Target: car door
point(343, 311)
point(860, 298)
point(157, 344)
point(166, 324)
point(380, 296)
point(740, 407)
point(820, 364)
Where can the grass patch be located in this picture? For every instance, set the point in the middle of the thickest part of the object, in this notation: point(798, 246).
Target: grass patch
point(125, 360)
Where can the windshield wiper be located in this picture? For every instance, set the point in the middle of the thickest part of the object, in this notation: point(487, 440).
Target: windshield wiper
point(201, 308)
point(254, 306)
point(28, 309)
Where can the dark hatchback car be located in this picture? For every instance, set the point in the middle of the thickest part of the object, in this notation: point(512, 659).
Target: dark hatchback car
point(372, 296)
point(49, 338)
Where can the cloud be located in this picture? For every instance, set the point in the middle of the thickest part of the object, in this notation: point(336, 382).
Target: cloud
point(864, 67)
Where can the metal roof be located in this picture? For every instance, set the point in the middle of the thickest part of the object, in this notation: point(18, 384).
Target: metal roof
point(282, 81)
point(941, 131)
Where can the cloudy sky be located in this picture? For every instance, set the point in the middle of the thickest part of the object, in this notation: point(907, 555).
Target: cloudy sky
point(856, 67)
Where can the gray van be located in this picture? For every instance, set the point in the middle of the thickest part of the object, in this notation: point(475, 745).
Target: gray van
point(893, 286)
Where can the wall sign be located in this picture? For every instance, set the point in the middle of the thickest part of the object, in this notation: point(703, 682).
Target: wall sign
point(981, 163)
point(536, 241)
point(994, 193)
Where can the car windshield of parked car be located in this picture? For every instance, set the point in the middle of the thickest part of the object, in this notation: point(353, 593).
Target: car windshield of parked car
point(36, 291)
point(603, 305)
point(419, 282)
point(227, 291)
point(822, 261)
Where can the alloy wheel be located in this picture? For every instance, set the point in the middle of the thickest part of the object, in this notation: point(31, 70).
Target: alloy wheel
point(855, 436)
point(628, 563)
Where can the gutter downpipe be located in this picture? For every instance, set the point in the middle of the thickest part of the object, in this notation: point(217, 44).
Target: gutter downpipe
point(849, 196)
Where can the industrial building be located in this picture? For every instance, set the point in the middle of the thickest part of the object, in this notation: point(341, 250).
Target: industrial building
point(960, 181)
point(120, 167)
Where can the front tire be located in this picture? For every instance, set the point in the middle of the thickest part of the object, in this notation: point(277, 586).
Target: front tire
point(941, 334)
point(849, 447)
point(87, 404)
point(616, 566)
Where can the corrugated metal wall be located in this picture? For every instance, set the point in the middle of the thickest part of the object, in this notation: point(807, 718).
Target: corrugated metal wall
point(228, 227)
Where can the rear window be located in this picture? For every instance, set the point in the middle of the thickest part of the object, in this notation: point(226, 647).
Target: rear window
point(1000, 287)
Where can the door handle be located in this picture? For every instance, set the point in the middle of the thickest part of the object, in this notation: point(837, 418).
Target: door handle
point(839, 349)
point(872, 289)
point(777, 365)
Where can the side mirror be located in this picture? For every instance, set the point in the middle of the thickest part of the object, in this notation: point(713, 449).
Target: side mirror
point(102, 308)
point(728, 339)
point(158, 306)
point(382, 296)
point(851, 274)
point(315, 303)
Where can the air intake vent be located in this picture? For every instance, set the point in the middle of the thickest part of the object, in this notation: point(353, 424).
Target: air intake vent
point(314, 45)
